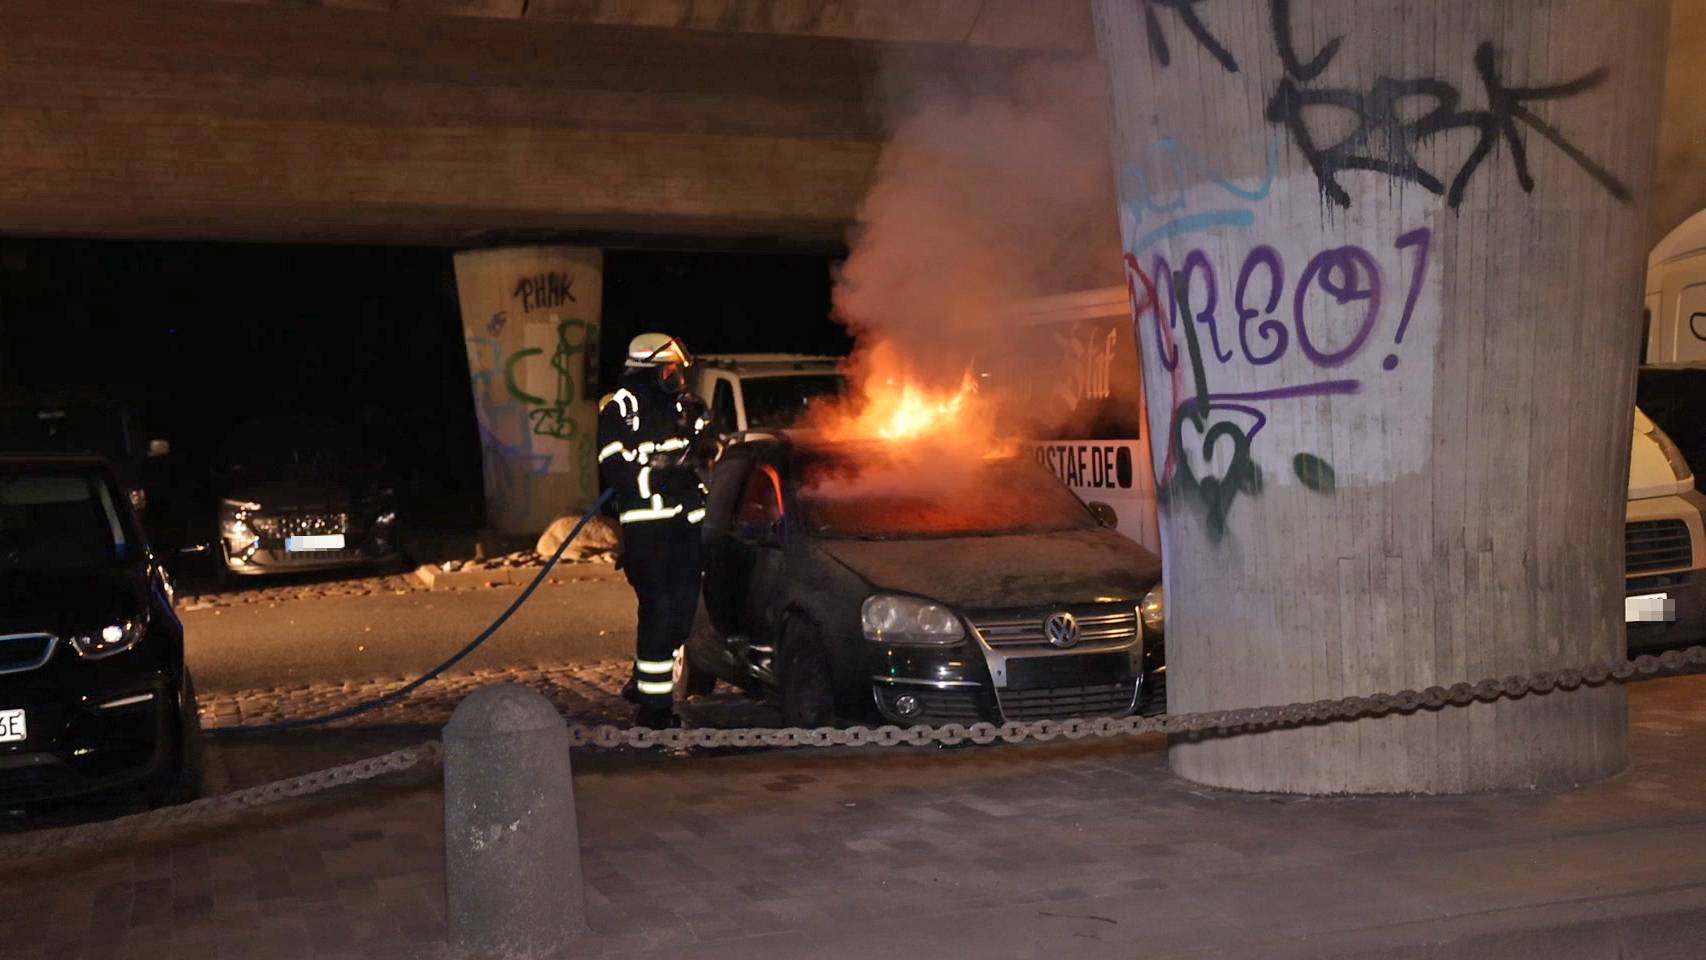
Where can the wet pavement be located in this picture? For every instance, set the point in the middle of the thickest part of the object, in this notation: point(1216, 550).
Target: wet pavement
point(1087, 849)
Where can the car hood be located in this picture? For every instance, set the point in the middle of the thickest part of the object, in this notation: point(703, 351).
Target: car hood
point(69, 601)
point(295, 493)
point(1020, 570)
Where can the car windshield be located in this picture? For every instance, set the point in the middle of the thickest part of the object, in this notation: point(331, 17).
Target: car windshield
point(882, 498)
point(286, 445)
point(60, 518)
point(776, 403)
point(64, 428)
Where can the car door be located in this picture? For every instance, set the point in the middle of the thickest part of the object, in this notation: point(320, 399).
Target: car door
point(759, 532)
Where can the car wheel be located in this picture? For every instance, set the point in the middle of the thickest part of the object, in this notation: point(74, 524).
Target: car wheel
point(181, 781)
point(808, 693)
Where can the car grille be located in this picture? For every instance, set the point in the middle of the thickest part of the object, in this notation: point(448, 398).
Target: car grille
point(25, 651)
point(1098, 624)
point(301, 524)
point(1064, 703)
point(1656, 545)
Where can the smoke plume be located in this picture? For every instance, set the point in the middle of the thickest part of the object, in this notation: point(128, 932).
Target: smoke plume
point(995, 187)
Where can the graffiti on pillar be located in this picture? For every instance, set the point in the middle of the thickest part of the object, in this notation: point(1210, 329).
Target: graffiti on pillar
point(1383, 142)
point(1215, 201)
point(554, 416)
point(1186, 11)
point(504, 425)
point(545, 291)
point(1324, 321)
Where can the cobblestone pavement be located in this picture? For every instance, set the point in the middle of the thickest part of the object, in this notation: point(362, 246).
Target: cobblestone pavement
point(1058, 850)
point(588, 692)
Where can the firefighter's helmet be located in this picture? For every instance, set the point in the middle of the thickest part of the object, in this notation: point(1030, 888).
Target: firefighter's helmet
point(655, 350)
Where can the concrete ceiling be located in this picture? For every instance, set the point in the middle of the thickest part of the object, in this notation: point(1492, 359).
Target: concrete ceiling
point(223, 121)
point(1051, 25)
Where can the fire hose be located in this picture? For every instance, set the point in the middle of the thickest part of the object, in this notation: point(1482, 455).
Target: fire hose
point(392, 696)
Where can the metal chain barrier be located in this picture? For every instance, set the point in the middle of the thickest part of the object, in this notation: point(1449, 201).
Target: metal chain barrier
point(1210, 723)
point(217, 808)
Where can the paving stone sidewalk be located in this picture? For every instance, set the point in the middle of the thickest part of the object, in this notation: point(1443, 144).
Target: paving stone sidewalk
point(1060, 850)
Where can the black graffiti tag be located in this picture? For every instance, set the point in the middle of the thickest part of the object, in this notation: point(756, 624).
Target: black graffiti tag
point(1187, 12)
point(1384, 143)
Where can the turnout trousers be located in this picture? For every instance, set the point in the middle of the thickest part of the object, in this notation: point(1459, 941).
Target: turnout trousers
point(662, 561)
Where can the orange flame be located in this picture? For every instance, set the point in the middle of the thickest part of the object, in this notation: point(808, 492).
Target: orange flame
point(888, 402)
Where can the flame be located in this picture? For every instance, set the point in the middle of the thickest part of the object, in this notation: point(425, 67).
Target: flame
point(889, 401)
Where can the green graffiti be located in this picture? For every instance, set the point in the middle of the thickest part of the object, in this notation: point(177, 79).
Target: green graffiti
point(514, 388)
point(1316, 473)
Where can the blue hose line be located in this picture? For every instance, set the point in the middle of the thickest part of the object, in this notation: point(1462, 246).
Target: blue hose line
point(393, 696)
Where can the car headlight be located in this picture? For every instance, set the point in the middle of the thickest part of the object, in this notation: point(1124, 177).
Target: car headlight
point(239, 536)
point(888, 618)
point(1153, 610)
point(110, 639)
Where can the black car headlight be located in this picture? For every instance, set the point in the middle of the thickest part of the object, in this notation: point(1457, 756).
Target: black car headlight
point(1153, 610)
point(891, 618)
point(110, 639)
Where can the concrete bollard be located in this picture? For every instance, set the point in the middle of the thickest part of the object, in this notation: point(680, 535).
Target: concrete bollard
point(512, 852)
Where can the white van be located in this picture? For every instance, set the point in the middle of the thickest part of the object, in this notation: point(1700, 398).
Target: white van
point(1664, 544)
point(1675, 314)
point(762, 391)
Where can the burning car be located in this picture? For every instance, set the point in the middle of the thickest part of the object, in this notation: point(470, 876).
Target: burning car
point(850, 578)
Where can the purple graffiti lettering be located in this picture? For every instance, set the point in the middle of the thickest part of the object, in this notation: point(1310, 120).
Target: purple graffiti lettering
point(1348, 275)
point(1198, 261)
point(1166, 318)
point(1422, 239)
point(1271, 328)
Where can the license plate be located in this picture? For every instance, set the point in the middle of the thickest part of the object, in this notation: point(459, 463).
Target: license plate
point(11, 725)
point(1649, 608)
point(1068, 671)
point(326, 541)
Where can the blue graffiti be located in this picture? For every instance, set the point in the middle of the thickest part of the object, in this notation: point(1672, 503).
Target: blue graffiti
point(1140, 199)
point(510, 474)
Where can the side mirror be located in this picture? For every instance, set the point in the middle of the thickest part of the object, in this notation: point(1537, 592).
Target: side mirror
point(1103, 513)
point(159, 448)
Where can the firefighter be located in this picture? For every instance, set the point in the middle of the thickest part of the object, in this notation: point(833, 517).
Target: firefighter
point(651, 443)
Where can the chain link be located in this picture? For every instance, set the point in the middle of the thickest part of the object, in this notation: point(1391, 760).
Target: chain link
point(1221, 722)
point(217, 808)
point(1208, 723)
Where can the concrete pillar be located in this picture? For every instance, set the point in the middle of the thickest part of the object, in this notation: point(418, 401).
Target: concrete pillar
point(530, 317)
point(512, 874)
point(1392, 439)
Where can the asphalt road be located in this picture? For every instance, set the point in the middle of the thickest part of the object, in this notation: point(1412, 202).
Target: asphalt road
point(393, 636)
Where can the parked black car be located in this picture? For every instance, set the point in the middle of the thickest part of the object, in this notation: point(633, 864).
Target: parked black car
point(304, 493)
point(94, 693)
point(845, 580)
point(83, 424)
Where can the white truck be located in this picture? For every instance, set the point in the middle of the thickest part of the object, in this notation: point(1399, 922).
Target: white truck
point(763, 391)
point(1675, 308)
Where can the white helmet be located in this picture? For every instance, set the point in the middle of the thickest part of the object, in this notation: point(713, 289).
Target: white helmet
point(656, 349)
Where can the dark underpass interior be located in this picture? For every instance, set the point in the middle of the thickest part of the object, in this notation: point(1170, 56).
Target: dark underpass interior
point(202, 339)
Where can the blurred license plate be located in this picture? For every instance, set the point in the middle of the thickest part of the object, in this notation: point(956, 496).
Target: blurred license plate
point(1649, 608)
point(11, 725)
point(326, 541)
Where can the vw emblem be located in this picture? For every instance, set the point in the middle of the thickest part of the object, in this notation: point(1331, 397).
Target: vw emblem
point(1061, 629)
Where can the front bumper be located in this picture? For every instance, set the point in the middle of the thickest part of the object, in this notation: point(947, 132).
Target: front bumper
point(1687, 590)
point(978, 682)
point(366, 546)
point(108, 732)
